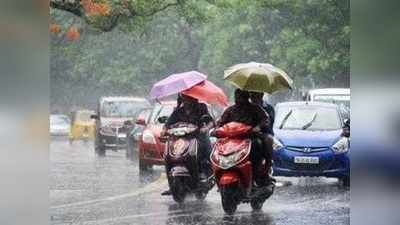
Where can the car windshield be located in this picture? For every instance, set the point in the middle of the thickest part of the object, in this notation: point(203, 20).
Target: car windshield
point(121, 108)
point(160, 111)
point(307, 118)
point(59, 120)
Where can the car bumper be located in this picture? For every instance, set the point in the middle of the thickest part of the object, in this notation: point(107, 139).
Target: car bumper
point(341, 172)
point(113, 142)
point(331, 164)
point(152, 154)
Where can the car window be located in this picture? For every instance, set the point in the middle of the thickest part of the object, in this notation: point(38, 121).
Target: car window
point(84, 116)
point(307, 118)
point(121, 108)
point(343, 100)
point(59, 120)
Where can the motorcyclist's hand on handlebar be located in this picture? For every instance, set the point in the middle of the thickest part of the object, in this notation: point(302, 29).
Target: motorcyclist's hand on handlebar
point(163, 132)
point(256, 129)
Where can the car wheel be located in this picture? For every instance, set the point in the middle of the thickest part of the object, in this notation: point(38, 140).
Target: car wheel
point(143, 167)
point(100, 150)
point(345, 181)
point(129, 149)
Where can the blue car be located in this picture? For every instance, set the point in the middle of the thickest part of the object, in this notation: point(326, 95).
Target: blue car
point(308, 141)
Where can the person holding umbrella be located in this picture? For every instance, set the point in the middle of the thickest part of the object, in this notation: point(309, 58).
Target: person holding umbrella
point(258, 78)
point(192, 87)
point(192, 111)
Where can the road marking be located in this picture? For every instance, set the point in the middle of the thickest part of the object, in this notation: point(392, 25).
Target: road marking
point(148, 188)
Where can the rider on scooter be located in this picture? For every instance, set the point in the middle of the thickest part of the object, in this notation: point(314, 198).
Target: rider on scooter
point(190, 110)
point(251, 114)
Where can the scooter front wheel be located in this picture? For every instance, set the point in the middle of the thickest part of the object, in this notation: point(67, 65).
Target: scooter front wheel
point(178, 189)
point(228, 199)
point(200, 195)
point(256, 204)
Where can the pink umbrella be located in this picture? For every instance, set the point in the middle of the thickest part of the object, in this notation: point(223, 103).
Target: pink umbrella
point(208, 92)
point(176, 83)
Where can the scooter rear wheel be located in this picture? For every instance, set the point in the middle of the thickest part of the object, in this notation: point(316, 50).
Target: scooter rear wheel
point(228, 199)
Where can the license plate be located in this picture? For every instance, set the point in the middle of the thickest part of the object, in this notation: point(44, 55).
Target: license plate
point(308, 160)
point(122, 135)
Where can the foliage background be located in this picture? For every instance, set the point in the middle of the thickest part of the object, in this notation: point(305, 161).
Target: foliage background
point(309, 39)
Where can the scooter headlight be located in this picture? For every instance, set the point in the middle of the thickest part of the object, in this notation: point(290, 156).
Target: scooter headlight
point(276, 145)
point(341, 146)
point(231, 160)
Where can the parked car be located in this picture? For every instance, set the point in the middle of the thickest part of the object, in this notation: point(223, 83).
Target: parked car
point(339, 96)
point(114, 118)
point(82, 126)
point(59, 125)
point(151, 149)
point(134, 135)
point(308, 141)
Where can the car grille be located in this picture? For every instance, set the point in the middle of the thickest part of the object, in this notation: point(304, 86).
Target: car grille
point(306, 149)
point(286, 160)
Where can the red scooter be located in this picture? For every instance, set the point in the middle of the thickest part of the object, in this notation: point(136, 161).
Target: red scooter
point(233, 169)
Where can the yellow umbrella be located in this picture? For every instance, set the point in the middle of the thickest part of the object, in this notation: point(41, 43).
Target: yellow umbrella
point(258, 77)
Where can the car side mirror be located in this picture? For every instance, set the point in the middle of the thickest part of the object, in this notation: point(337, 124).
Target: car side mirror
point(140, 121)
point(162, 119)
point(94, 116)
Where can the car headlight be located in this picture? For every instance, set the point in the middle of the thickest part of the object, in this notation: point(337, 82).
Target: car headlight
point(276, 144)
point(341, 146)
point(148, 137)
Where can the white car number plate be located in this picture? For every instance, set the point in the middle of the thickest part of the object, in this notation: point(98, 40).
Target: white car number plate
point(308, 160)
point(122, 135)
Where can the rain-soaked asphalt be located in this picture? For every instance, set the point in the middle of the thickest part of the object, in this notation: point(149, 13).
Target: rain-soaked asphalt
point(85, 189)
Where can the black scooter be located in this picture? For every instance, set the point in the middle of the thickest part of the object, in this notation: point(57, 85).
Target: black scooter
point(181, 158)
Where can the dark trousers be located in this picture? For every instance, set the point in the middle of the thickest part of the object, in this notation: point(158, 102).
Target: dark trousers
point(204, 152)
point(261, 149)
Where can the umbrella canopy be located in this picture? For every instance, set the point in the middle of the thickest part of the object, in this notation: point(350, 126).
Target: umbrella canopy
point(176, 83)
point(258, 77)
point(208, 92)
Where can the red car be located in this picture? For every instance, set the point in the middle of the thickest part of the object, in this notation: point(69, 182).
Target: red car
point(150, 148)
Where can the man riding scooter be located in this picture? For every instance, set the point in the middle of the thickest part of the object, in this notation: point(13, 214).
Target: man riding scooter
point(190, 110)
point(251, 114)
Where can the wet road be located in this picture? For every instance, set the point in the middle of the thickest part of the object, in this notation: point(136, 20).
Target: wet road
point(85, 189)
